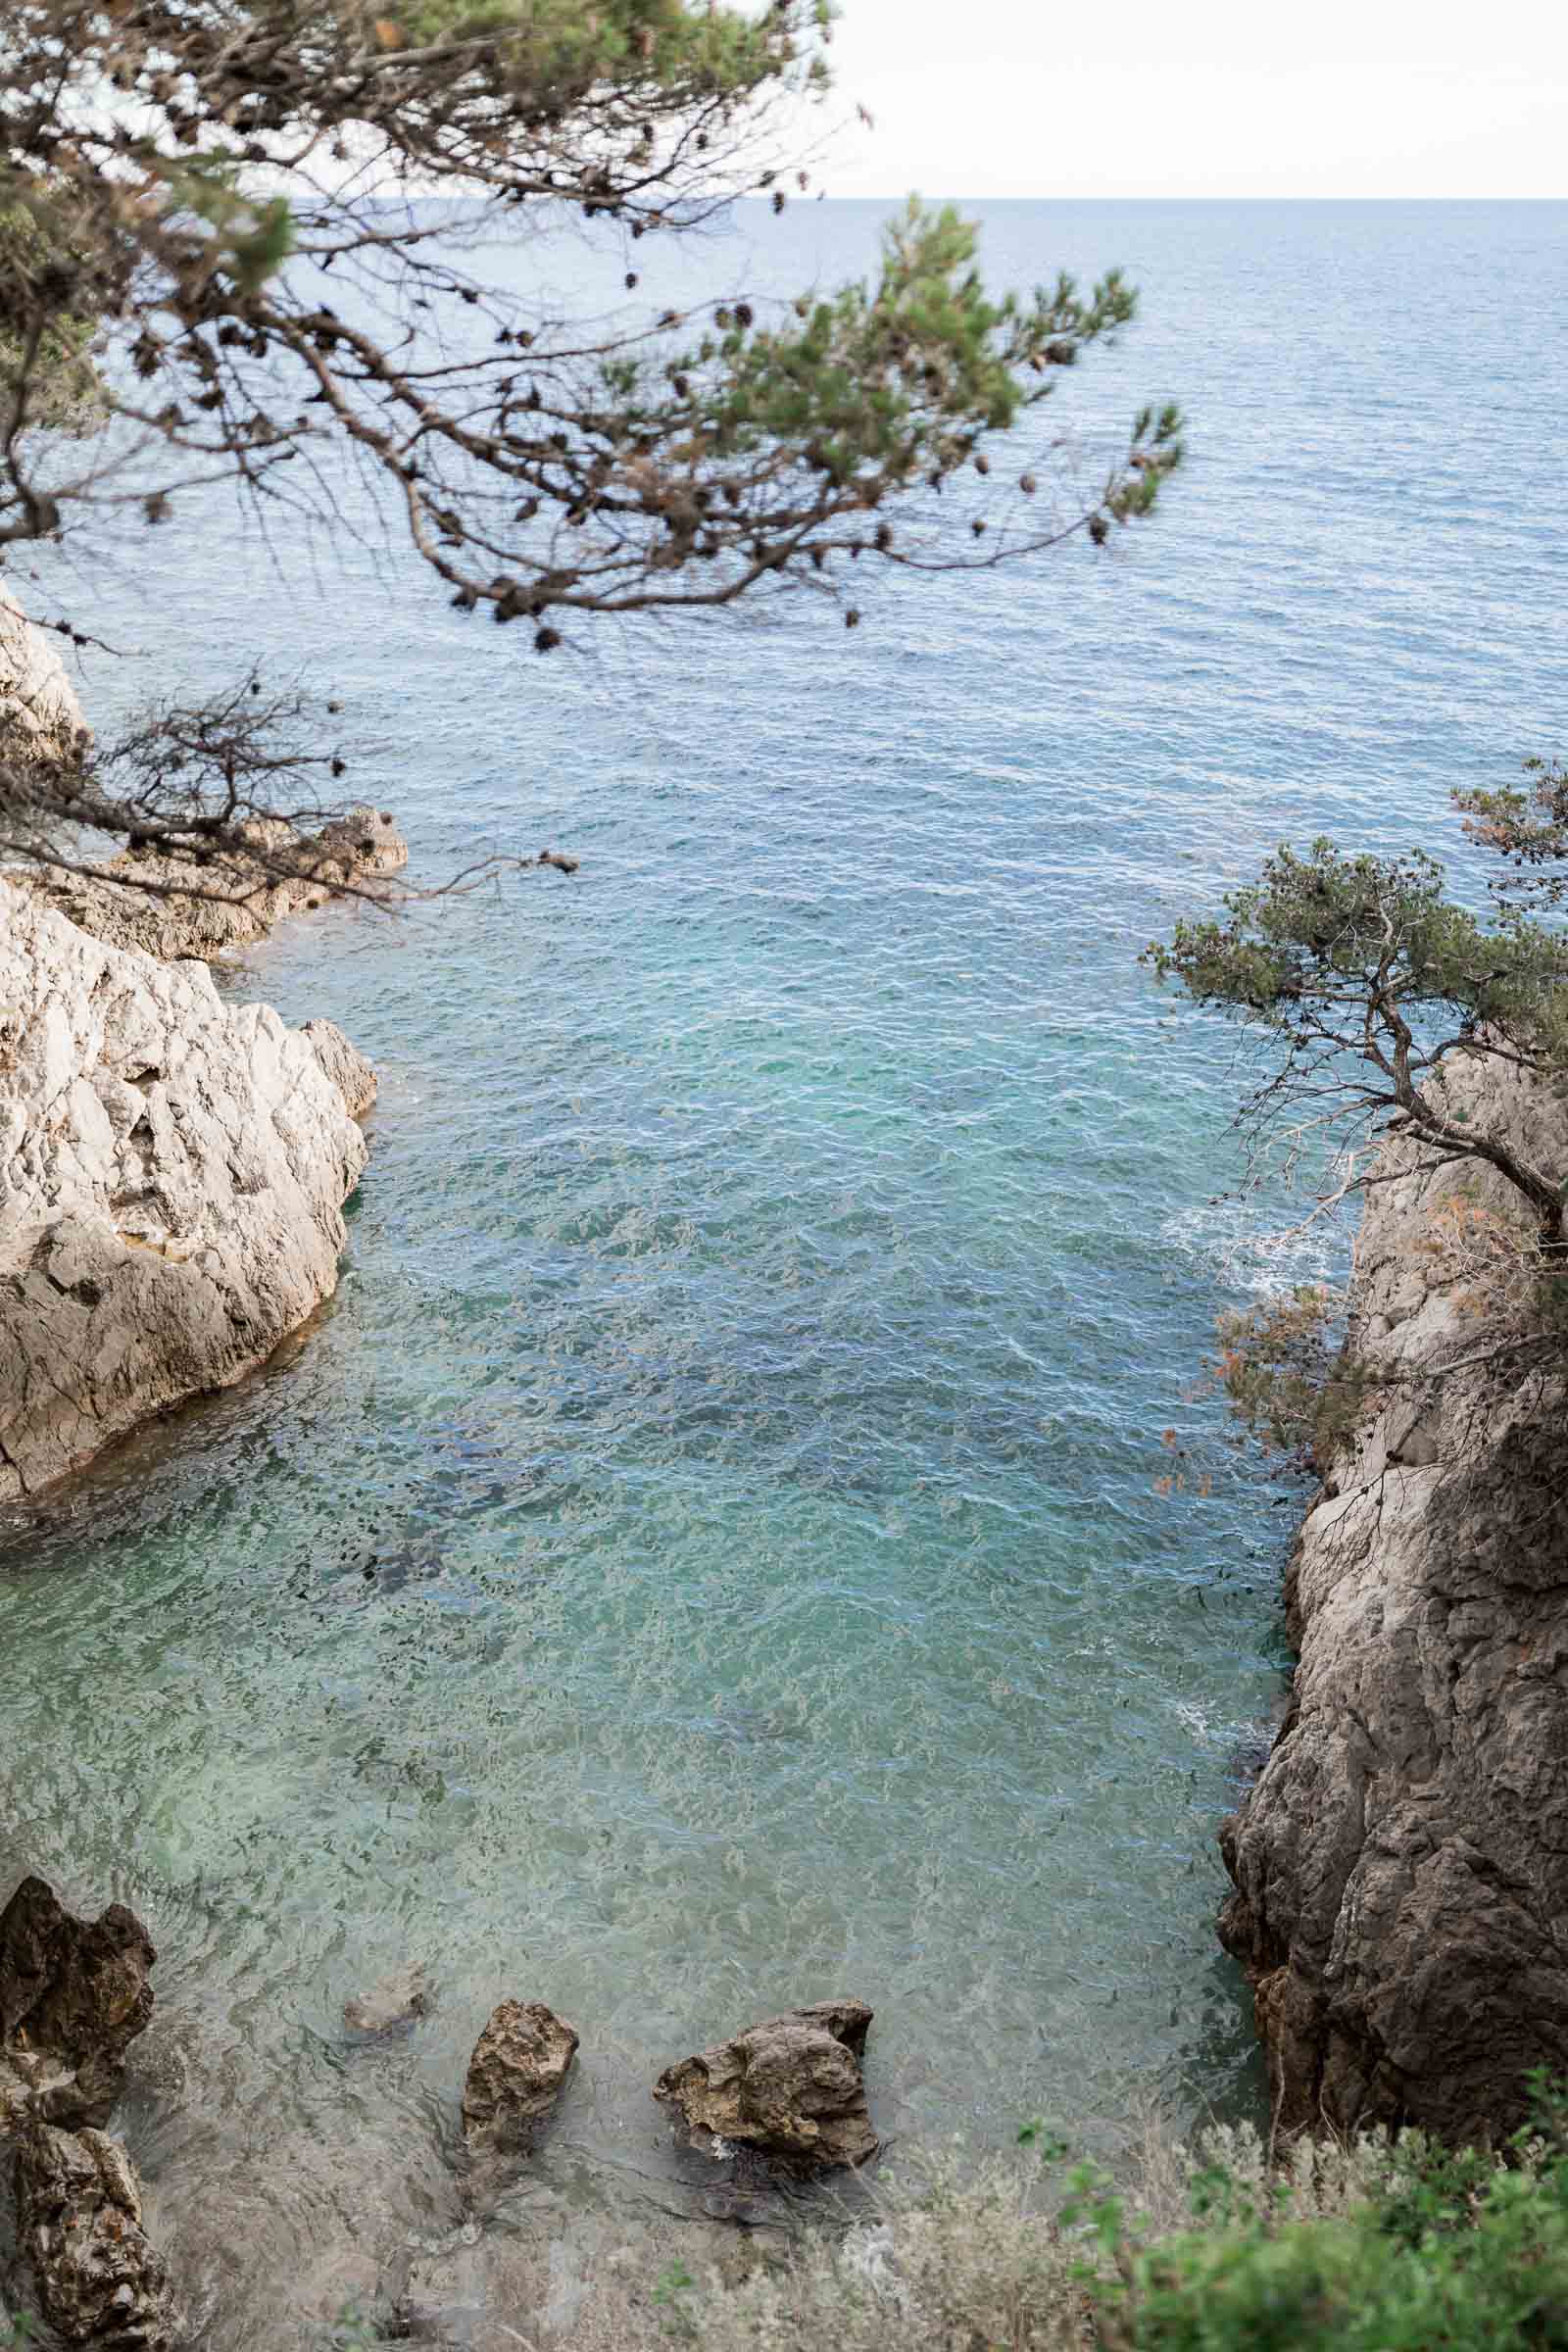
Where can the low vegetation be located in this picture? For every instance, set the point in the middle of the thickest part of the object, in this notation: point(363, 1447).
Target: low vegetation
point(1286, 1376)
point(1377, 2246)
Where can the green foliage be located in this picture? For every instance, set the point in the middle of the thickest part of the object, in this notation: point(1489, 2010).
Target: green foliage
point(1450, 2253)
point(670, 2297)
point(1285, 1375)
point(746, 461)
point(1379, 1004)
point(252, 236)
point(1324, 930)
point(1529, 828)
point(1366, 981)
point(556, 51)
point(927, 340)
point(62, 390)
point(1375, 2245)
point(164, 163)
point(883, 383)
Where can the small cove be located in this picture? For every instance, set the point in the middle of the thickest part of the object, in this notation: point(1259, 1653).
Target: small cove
point(708, 1555)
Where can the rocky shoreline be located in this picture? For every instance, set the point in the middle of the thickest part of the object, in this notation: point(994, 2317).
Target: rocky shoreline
point(174, 912)
point(1399, 1866)
point(172, 1167)
point(172, 1173)
point(789, 2093)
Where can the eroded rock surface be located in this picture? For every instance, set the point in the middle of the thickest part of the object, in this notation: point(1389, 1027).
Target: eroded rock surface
point(344, 1063)
point(171, 908)
point(172, 1169)
point(39, 713)
point(790, 2087)
point(1401, 1865)
point(73, 1996)
point(96, 2276)
point(515, 2074)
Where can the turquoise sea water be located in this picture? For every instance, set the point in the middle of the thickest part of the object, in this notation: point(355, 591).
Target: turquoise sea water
point(707, 1557)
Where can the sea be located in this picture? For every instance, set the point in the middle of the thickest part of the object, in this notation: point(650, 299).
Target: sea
point(752, 1525)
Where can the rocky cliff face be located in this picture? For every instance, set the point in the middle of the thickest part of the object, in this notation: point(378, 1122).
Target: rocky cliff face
point(172, 1169)
point(73, 1996)
point(38, 707)
point(1401, 1866)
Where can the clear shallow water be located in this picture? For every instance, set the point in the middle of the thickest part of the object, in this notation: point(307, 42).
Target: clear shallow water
point(707, 1558)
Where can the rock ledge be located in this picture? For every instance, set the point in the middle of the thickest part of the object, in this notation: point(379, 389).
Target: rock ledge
point(171, 908)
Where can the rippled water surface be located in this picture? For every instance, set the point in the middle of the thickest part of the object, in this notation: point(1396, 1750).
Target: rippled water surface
point(707, 1556)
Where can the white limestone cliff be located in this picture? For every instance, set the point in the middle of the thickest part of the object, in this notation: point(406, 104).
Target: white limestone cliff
point(173, 1170)
point(38, 705)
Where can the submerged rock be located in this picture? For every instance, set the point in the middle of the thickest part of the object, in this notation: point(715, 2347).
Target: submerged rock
point(394, 2003)
point(515, 2074)
point(1399, 1866)
point(446, 2298)
point(171, 908)
point(172, 1169)
point(97, 2277)
point(790, 2087)
point(73, 1996)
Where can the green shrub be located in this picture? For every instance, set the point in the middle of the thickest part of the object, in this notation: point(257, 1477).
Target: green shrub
point(1441, 2252)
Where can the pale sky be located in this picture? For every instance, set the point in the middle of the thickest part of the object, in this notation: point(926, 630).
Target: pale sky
point(1211, 98)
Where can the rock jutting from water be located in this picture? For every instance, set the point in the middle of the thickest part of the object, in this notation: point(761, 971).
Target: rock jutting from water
point(350, 1071)
point(94, 2274)
point(73, 1994)
point(790, 2088)
point(519, 2065)
point(1400, 1865)
point(172, 1171)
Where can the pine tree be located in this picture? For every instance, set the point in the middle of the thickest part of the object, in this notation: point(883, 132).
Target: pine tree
point(270, 210)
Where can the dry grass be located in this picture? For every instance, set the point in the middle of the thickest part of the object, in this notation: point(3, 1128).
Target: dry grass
point(948, 2256)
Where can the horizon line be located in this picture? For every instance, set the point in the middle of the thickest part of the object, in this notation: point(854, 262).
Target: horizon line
point(1044, 196)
